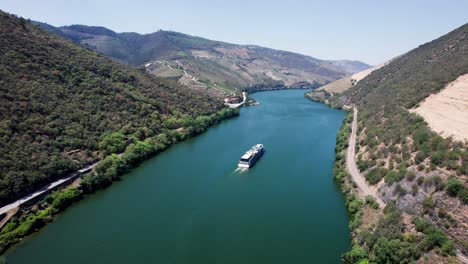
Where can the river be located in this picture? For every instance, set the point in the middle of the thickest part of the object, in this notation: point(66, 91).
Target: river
point(190, 205)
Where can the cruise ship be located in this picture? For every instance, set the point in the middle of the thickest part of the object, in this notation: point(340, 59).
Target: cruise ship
point(251, 156)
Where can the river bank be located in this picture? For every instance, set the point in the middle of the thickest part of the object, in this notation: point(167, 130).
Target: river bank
point(381, 231)
point(36, 215)
point(190, 205)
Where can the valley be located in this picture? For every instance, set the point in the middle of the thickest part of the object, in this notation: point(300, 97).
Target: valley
point(122, 147)
point(190, 205)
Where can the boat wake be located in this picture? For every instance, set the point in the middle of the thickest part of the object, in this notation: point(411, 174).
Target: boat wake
point(239, 170)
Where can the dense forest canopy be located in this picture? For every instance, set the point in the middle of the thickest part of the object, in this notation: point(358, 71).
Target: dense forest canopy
point(61, 105)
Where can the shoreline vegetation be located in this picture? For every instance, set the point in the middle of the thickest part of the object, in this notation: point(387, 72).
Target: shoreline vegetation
point(383, 238)
point(108, 170)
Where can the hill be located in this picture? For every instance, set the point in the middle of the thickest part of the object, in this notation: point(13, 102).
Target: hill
point(349, 66)
point(203, 63)
point(63, 106)
point(325, 92)
point(421, 175)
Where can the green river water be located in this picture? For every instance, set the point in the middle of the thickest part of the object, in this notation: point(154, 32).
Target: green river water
point(190, 204)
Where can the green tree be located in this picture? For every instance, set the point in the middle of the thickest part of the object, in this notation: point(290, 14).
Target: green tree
point(112, 143)
point(355, 255)
point(394, 251)
point(172, 123)
point(65, 198)
point(139, 151)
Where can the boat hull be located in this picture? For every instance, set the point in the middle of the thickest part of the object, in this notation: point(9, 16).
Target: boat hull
point(252, 161)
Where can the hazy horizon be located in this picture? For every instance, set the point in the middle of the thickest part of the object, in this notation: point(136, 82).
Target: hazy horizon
point(337, 30)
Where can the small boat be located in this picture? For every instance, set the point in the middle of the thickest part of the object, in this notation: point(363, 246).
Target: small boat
point(251, 156)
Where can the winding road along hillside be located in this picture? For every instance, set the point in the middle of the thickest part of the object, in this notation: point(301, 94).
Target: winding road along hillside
point(351, 163)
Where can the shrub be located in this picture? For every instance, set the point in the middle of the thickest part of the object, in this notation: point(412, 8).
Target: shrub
point(433, 237)
point(435, 181)
point(421, 224)
point(399, 190)
point(428, 204)
point(410, 175)
point(442, 213)
point(448, 248)
point(421, 167)
point(354, 205)
point(392, 177)
point(454, 186)
point(420, 180)
point(437, 157)
point(420, 157)
point(372, 202)
point(463, 195)
point(362, 165)
point(375, 175)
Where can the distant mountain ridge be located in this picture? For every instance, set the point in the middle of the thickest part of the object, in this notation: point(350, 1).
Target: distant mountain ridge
point(203, 63)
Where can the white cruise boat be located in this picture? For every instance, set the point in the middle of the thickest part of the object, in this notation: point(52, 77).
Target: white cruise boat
point(251, 156)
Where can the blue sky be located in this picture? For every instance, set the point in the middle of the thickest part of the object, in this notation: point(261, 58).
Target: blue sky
point(370, 31)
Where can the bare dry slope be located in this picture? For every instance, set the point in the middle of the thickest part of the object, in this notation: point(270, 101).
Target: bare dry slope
point(338, 86)
point(447, 111)
point(362, 74)
point(348, 81)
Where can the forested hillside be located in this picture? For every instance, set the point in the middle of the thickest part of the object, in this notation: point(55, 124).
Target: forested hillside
point(63, 106)
point(412, 167)
point(202, 63)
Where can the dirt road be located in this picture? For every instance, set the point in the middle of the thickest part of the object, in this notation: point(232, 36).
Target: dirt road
point(351, 164)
